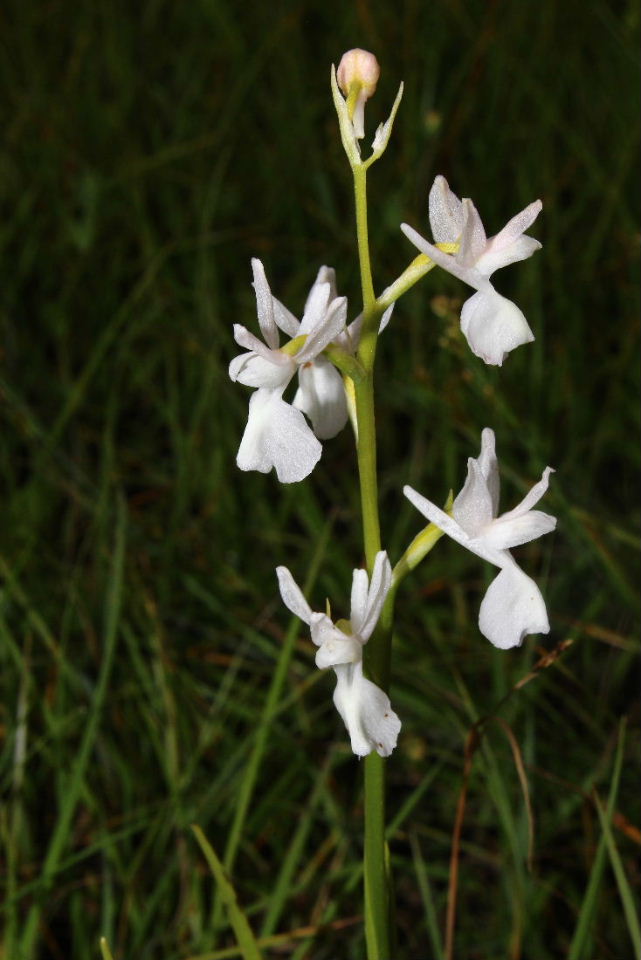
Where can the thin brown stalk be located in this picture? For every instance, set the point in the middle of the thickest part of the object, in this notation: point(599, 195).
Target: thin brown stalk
point(520, 769)
point(471, 745)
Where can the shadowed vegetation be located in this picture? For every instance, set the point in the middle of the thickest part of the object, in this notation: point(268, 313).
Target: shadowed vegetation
point(149, 151)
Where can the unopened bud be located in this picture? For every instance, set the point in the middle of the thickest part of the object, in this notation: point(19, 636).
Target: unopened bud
point(357, 76)
point(358, 66)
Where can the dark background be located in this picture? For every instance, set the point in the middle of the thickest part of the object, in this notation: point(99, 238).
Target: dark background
point(149, 151)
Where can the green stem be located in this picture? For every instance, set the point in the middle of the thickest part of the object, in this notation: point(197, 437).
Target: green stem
point(366, 450)
point(367, 285)
point(377, 906)
point(377, 895)
point(378, 650)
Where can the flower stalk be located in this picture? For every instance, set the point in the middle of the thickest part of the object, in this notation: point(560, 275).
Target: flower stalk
point(375, 865)
point(333, 364)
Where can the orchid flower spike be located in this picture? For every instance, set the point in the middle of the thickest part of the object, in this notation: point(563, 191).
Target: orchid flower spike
point(513, 606)
point(365, 709)
point(492, 324)
point(277, 434)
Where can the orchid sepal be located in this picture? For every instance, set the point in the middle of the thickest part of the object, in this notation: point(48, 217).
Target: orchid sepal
point(346, 127)
point(384, 131)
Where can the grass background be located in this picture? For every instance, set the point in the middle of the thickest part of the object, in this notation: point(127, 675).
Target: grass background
point(149, 151)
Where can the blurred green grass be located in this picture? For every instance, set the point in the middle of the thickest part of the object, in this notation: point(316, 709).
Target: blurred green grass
point(149, 152)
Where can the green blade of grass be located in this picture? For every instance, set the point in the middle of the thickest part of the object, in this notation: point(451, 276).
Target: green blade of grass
point(271, 703)
point(73, 789)
point(627, 898)
point(104, 950)
point(239, 922)
point(580, 941)
point(295, 850)
point(427, 898)
point(412, 801)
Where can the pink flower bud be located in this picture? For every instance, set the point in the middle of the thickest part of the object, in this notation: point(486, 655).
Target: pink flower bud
point(358, 67)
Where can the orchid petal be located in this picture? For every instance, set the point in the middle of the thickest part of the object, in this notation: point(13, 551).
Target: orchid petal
point(358, 602)
point(514, 229)
point(315, 308)
point(505, 533)
point(437, 516)
point(325, 275)
point(326, 329)
point(292, 595)
point(264, 304)
point(376, 595)
point(255, 371)
point(493, 326)
point(449, 526)
point(533, 496)
point(446, 260)
point(446, 212)
point(285, 319)
point(322, 629)
point(244, 338)
point(493, 259)
point(489, 467)
point(519, 223)
point(253, 453)
point(277, 436)
point(472, 508)
point(321, 395)
point(338, 649)
point(366, 712)
point(473, 239)
point(512, 608)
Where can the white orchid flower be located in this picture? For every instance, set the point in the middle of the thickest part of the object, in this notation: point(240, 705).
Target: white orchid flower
point(513, 606)
point(277, 434)
point(365, 709)
point(492, 324)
